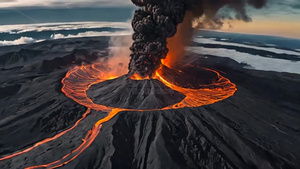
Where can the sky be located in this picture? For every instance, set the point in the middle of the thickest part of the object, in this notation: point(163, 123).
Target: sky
point(63, 3)
point(279, 17)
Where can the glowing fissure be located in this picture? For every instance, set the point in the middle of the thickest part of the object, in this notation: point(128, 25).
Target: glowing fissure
point(78, 80)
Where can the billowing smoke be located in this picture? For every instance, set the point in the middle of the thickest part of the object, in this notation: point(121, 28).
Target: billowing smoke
point(119, 54)
point(157, 22)
point(116, 63)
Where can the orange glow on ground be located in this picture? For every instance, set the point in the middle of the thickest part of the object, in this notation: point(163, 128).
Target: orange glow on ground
point(78, 80)
point(167, 61)
point(135, 76)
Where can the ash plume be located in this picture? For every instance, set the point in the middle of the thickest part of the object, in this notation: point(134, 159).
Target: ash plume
point(156, 23)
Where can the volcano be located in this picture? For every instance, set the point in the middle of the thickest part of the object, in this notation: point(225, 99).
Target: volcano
point(128, 93)
point(51, 117)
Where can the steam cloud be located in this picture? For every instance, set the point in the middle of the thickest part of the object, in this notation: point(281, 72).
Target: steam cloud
point(156, 23)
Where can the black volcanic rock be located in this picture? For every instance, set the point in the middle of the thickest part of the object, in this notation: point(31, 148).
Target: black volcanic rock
point(78, 57)
point(9, 90)
point(189, 76)
point(124, 92)
point(20, 56)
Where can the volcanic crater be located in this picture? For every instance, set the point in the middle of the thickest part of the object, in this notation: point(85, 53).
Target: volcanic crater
point(124, 92)
point(146, 94)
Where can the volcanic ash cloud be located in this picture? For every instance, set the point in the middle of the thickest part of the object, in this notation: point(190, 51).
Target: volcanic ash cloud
point(155, 25)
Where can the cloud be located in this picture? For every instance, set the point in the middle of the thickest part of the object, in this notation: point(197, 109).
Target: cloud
point(22, 40)
point(8, 1)
point(292, 4)
point(63, 3)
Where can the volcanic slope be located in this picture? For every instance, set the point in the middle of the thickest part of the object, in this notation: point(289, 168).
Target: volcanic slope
point(124, 92)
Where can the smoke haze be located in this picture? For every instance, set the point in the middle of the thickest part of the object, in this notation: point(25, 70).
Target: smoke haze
point(118, 58)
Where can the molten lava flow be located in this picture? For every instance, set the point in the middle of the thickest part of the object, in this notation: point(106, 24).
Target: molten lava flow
point(78, 80)
point(47, 139)
point(87, 141)
point(199, 97)
point(136, 76)
point(166, 62)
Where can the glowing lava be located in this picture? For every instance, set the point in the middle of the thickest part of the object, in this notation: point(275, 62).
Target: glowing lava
point(78, 80)
point(47, 139)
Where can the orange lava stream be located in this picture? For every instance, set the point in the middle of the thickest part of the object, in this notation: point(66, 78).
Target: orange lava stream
point(223, 89)
point(87, 141)
point(78, 80)
point(47, 139)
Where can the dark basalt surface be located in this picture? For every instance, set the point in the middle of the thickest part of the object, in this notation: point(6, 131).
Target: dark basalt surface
point(258, 127)
point(190, 76)
point(124, 92)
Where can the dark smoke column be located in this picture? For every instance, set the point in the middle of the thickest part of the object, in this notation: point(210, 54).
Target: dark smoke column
point(153, 24)
point(157, 20)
